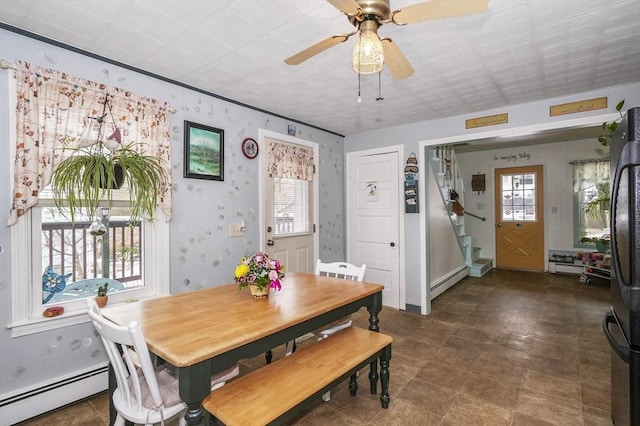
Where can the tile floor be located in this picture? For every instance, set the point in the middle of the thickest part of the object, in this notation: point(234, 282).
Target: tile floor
point(511, 348)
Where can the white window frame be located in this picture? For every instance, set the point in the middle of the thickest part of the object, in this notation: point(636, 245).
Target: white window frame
point(26, 268)
point(579, 212)
point(26, 276)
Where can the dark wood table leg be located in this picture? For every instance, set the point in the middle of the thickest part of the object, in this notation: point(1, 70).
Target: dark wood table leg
point(373, 377)
point(353, 384)
point(194, 386)
point(374, 309)
point(384, 377)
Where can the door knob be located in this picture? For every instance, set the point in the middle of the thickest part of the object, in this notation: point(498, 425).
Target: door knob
point(270, 242)
point(498, 225)
point(392, 244)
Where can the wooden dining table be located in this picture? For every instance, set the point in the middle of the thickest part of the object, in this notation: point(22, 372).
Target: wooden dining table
point(206, 331)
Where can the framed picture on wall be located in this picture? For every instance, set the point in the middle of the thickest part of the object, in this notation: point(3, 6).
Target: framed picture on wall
point(203, 151)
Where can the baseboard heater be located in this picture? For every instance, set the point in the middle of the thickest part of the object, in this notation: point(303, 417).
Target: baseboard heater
point(26, 403)
point(443, 284)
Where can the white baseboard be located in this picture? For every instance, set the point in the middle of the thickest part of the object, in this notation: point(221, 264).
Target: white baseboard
point(445, 283)
point(565, 268)
point(26, 403)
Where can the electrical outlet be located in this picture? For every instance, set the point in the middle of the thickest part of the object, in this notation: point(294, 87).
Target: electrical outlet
point(235, 230)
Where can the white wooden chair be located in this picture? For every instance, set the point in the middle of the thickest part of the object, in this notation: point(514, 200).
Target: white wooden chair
point(144, 394)
point(343, 270)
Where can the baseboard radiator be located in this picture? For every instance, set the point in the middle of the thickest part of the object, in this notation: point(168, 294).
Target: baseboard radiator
point(26, 403)
point(443, 284)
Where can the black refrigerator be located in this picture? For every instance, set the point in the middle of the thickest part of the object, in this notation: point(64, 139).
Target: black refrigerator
point(622, 324)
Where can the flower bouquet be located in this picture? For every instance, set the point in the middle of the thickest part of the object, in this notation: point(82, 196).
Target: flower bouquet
point(259, 273)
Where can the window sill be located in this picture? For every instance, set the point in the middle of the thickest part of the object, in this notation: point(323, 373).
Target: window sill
point(42, 324)
point(38, 325)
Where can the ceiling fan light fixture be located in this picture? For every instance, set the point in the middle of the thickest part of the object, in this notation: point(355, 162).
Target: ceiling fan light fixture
point(368, 56)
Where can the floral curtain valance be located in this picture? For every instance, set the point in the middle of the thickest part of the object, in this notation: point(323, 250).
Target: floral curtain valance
point(57, 113)
point(289, 161)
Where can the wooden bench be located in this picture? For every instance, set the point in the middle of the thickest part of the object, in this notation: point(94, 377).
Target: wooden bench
point(277, 391)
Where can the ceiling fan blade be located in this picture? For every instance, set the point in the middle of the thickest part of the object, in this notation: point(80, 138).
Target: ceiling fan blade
point(396, 61)
point(350, 7)
point(320, 47)
point(438, 9)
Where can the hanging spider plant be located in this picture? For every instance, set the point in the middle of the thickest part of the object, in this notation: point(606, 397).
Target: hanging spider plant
point(85, 181)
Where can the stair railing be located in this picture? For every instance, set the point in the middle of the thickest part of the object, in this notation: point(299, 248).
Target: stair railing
point(484, 219)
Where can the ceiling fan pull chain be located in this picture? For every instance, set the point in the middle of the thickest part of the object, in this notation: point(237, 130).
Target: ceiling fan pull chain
point(379, 98)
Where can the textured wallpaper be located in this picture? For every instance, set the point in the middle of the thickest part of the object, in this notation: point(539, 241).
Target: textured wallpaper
point(202, 253)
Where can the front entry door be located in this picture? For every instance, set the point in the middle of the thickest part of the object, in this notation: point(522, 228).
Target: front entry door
point(519, 218)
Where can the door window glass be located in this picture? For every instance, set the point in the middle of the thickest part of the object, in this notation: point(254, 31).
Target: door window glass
point(291, 206)
point(518, 197)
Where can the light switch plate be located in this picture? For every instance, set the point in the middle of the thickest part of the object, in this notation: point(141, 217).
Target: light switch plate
point(235, 230)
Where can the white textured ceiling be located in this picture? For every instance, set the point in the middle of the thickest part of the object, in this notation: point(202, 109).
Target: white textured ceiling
point(517, 51)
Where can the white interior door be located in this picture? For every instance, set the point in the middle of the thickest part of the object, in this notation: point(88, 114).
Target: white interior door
point(288, 217)
point(373, 205)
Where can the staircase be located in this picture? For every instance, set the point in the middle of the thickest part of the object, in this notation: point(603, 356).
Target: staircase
point(478, 266)
point(445, 169)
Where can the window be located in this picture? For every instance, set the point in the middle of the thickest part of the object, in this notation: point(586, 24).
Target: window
point(591, 188)
point(291, 209)
point(28, 263)
point(518, 197)
point(139, 255)
point(110, 247)
point(292, 168)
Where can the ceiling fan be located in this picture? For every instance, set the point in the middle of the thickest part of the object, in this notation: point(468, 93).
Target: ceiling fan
point(368, 15)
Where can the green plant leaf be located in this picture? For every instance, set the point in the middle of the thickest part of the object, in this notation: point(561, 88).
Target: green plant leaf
point(620, 105)
point(78, 180)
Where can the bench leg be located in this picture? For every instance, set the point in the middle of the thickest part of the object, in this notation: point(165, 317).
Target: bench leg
point(384, 377)
point(373, 376)
point(353, 384)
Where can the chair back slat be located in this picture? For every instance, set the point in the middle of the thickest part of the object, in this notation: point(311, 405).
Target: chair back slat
point(342, 270)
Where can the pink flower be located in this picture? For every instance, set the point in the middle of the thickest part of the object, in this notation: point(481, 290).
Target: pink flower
point(276, 284)
point(260, 270)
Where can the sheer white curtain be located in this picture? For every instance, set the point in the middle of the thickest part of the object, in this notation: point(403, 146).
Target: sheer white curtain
point(591, 187)
point(56, 113)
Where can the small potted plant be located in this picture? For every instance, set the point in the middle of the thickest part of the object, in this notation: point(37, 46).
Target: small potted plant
point(259, 273)
point(102, 298)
